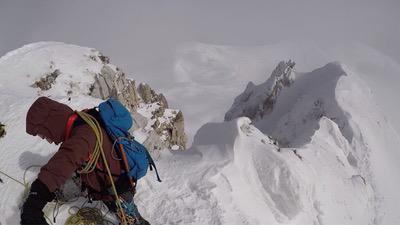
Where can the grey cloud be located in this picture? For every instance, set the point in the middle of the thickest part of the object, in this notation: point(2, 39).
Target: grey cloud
point(140, 36)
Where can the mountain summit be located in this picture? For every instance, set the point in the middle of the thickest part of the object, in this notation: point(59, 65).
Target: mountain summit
point(70, 73)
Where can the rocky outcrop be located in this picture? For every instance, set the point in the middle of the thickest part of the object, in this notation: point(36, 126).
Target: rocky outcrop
point(164, 127)
point(46, 81)
point(173, 130)
point(259, 100)
point(111, 82)
point(148, 95)
point(166, 130)
point(154, 123)
point(178, 137)
point(2, 130)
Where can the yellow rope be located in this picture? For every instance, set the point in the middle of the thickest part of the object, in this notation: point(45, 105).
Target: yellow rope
point(98, 150)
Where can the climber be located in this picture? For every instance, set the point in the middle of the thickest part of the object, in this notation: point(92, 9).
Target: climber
point(47, 119)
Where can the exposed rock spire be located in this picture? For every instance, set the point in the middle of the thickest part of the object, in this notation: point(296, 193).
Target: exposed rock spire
point(258, 100)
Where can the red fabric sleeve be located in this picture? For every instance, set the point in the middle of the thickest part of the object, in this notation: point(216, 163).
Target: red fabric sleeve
point(70, 156)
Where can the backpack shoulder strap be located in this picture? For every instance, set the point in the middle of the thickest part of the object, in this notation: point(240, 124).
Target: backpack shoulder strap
point(74, 120)
point(70, 123)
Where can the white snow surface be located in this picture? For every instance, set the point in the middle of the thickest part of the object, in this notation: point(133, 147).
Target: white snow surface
point(339, 165)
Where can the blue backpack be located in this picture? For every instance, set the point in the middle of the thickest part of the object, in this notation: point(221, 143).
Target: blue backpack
point(117, 121)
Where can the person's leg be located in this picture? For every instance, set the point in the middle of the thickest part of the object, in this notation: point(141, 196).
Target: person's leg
point(130, 210)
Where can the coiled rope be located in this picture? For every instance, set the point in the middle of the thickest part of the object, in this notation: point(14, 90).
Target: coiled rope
point(86, 216)
point(98, 150)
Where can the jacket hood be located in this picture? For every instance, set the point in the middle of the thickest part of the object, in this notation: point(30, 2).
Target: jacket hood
point(48, 118)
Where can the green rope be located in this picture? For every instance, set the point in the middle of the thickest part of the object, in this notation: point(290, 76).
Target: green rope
point(98, 150)
point(87, 216)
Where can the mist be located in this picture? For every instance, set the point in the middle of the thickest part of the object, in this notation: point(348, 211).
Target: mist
point(141, 36)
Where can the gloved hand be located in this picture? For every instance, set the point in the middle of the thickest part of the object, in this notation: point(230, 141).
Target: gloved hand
point(32, 210)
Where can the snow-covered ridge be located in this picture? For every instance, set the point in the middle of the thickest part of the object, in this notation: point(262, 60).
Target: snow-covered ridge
point(256, 182)
point(69, 72)
point(328, 120)
point(81, 78)
point(332, 108)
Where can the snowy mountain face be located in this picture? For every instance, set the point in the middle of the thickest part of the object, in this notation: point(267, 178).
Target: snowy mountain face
point(257, 101)
point(67, 72)
point(321, 152)
point(81, 78)
point(329, 120)
point(331, 151)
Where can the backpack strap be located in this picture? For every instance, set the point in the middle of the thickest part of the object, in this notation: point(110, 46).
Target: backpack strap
point(74, 120)
point(70, 123)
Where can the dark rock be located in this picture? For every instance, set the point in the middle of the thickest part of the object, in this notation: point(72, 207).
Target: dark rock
point(148, 95)
point(2, 130)
point(259, 100)
point(47, 80)
point(104, 59)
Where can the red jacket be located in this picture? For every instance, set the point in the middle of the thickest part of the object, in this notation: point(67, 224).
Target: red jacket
point(48, 118)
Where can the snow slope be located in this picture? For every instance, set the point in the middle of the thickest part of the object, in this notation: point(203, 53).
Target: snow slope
point(338, 166)
point(19, 70)
point(236, 175)
point(366, 138)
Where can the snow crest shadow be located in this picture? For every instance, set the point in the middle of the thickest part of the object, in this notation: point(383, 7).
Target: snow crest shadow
point(299, 109)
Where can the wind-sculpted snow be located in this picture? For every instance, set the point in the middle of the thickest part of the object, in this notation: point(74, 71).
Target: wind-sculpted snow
point(250, 180)
point(333, 103)
point(226, 178)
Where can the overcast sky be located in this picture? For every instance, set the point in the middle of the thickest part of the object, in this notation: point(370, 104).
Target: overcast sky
point(142, 35)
